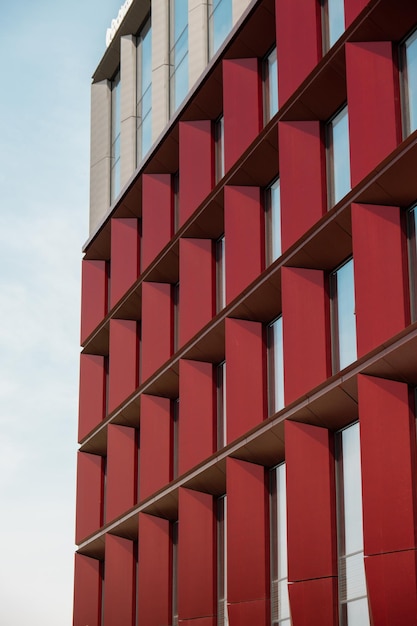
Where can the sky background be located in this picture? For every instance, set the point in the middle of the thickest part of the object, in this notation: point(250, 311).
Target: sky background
point(49, 49)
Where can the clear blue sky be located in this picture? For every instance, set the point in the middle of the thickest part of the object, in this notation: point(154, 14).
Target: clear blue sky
point(49, 50)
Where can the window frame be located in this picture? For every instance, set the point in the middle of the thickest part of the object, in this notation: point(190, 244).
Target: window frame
point(329, 39)
point(221, 415)
point(176, 97)
point(271, 220)
point(404, 86)
point(275, 513)
point(334, 317)
point(115, 136)
point(142, 90)
point(275, 402)
point(268, 111)
point(332, 197)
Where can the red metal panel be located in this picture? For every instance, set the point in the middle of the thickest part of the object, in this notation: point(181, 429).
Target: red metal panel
point(373, 105)
point(388, 445)
point(87, 591)
point(121, 479)
point(93, 296)
point(249, 613)
point(157, 327)
point(196, 555)
point(89, 516)
point(247, 535)
point(92, 396)
point(123, 361)
point(305, 330)
point(296, 21)
point(301, 149)
point(245, 377)
point(125, 244)
point(119, 582)
point(381, 289)
point(196, 156)
point(157, 215)
point(244, 228)
point(311, 507)
point(242, 106)
point(314, 602)
point(392, 588)
point(197, 411)
point(197, 286)
point(154, 571)
point(155, 444)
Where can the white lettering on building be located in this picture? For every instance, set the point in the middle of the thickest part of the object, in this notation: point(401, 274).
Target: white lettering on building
point(111, 32)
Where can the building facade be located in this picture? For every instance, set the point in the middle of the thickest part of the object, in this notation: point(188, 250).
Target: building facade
point(247, 420)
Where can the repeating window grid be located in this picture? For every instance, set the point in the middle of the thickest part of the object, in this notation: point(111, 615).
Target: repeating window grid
point(221, 405)
point(273, 221)
point(275, 366)
point(220, 253)
point(343, 316)
point(220, 21)
point(178, 53)
point(412, 256)
point(144, 92)
point(222, 612)
point(115, 137)
point(408, 60)
point(353, 603)
point(338, 156)
point(270, 85)
point(333, 22)
point(280, 607)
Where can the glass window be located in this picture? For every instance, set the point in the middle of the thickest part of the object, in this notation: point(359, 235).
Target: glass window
point(273, 221)
point(219, 148)
point(175, 441)
point(178, 52)
point(220, 274)
point(409, 83)
point(115, 138)
point(270, 72)
point(352, 585)
point(280, 606)
point(221, 405)
point(144, 92)
point(333, 12)
point(343, 316)
point(220, 23)
point(338, 157)
point(275, 366)
point(174, 588)
point(412, 253)
point(222, 615)
point(176, 318)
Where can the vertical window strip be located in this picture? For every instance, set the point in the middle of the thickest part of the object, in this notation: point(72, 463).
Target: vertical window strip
point(220, 252)
point(338, 157)
point(280, 607)
point(412, 256)
point(352, 585)
point(275, 366)
point(333, 21)
point(219, 148)
point(144, 92)
point(270, 76)
point(115, 137)
point(221, 405)
point(343, 316)
point(220, 20)
point(273, 221)
point(175, 436)
point(409, 83)
point(178, 52)
point(174, 574)
point(222, 613)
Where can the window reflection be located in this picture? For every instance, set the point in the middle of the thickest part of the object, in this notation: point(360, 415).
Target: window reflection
point(220, 23)
point(275, 366)
point(333, 22)
point(280, 607)
point(178, 52)
point(144, 92)
point(412, 253)
point(409, 83)
point(273, 221)
point(338, 157)
point(343, 316)
point(270, 70)
point(115, 137)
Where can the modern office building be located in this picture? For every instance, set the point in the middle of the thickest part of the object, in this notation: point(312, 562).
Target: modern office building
point(247, 419)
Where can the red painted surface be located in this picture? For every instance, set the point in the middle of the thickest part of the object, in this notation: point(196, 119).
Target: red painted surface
point(314, 602)
point(379, 253)
point(249, 613)
point(196, 555)
point(244, 228)
point(301, 149)
point(388, 445)
point(157, 327)
point(373, 104)
point(242, 106)
point(93, 296)
point(352, 10)
point(119, 582)
point(196, 285)
point(155, 444)
point(311, 506)
point(154, 571)
point(157, 215)
point(392, 588)
point(196, 157)
point(245, 377)
point(123, 361)
point(125, 246)
point(305, 331)
point(247, 532)
point(92, 395)
point(87, 591)
point(89, 514)
point(121, 483)
point(296, 20)
point(197, 413)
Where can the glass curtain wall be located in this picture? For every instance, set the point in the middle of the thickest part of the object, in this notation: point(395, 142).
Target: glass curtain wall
point(144, 92)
